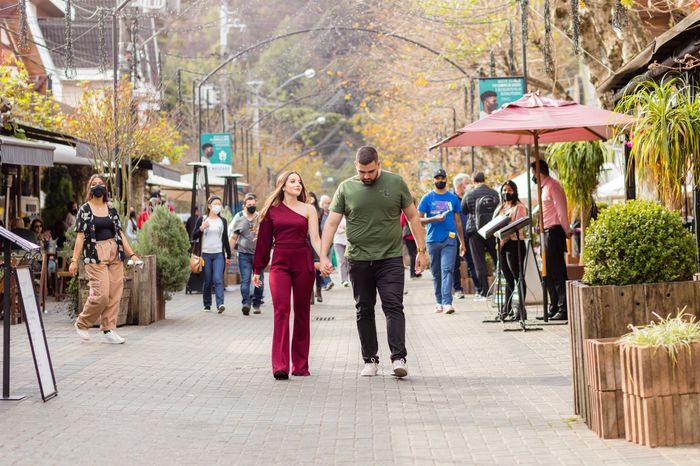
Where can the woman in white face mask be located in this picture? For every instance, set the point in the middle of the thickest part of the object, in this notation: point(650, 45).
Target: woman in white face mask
point(211, 230)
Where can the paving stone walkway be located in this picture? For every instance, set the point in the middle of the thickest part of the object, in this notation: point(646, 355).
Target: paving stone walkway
point(197, 389)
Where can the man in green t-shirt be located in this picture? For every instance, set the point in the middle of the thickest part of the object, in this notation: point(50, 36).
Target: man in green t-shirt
point(372, 203)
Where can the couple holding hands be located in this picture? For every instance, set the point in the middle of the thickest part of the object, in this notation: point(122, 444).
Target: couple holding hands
point(372, 202)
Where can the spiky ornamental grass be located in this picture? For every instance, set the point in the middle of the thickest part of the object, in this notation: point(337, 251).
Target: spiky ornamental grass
point(672, 334)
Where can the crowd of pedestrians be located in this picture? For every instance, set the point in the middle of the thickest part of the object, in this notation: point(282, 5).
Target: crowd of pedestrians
point(366, 225)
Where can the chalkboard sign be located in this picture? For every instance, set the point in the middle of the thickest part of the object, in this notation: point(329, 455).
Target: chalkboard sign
point(37, 337)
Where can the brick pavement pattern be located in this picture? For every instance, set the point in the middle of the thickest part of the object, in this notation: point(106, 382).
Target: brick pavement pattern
point(197, 389)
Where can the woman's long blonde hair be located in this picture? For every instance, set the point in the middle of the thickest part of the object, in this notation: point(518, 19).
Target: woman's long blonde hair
point(277, 195)
point(104, 180)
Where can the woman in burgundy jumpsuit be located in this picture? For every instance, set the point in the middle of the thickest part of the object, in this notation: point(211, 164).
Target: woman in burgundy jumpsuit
point(287, 223)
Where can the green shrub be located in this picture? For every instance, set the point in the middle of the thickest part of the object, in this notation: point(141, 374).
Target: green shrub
point(164, 236)
point(638, 242)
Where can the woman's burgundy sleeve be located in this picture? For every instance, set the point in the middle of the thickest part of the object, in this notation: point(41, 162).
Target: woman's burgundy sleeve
point(263, 245)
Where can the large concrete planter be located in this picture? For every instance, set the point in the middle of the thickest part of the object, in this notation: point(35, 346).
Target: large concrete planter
point(607, 311)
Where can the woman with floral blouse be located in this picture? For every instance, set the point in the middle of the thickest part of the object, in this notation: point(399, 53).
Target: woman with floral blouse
point(104, 246)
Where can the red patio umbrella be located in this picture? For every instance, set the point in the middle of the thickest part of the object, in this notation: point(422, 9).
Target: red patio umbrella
point(536, 120)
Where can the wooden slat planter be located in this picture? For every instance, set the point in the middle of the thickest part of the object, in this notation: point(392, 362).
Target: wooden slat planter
point(607, 311)
point(143, 306)
point(661, 400)
point(604, 388)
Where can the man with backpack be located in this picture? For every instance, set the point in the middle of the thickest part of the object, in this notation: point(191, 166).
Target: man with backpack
point(478, 205)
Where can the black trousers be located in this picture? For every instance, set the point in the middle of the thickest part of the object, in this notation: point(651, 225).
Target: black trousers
point(555, 243)
point(412, 252)
point(511, 265)
point(385, 276)
point(478, 246)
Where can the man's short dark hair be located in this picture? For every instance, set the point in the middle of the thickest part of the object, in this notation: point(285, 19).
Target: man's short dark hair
point(486, 94)
point(366, 155)
point(206, 145)
point(479, 177)
point(544, 168)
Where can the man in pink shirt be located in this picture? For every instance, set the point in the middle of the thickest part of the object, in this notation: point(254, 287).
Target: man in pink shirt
point(556, 231)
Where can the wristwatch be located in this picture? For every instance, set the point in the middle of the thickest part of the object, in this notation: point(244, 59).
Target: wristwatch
point(421, 250)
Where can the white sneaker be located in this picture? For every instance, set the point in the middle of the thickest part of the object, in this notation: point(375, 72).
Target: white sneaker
point(221, 308)
point(438, 308)
point(448, 309)
point(400, 369)
point(345, 284)
point(112, 337)
point(480, 299)
point(370, 369)
point(82, 333)
point(459, 295)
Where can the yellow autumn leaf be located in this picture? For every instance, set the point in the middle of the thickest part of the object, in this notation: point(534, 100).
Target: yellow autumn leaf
point(421, 82)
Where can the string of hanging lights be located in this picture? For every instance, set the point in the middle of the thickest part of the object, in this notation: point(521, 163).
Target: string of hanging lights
point(23, 33)
point(69, 71)
point(547, 49)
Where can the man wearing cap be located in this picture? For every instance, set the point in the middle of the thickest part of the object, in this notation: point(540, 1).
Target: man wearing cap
point(474, 207)
point(243, 240)
point(440, 211)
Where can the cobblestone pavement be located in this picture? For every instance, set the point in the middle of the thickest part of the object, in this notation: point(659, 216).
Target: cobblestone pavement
point(197, 389)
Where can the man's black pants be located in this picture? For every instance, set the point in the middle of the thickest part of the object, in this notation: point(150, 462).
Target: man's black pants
point(385, 276)
point(555, 243)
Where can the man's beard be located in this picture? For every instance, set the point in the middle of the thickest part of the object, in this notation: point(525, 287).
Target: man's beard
point(369, 182)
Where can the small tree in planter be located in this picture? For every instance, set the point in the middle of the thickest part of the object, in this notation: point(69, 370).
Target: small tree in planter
point(638, 259)
point(164, 236)
point(659, 367)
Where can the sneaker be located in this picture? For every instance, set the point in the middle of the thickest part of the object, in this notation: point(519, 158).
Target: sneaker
point(459, 295)
point(82, 333)
point(328, 287)
point(480, 299)
point(112, 337)
point(221, 308)
point(400, 369)
point(448, 309)
point(245, 309)
point(438, 308)
point(256, 309)
point(207, 308)
point(345, 284)
point(370, 369)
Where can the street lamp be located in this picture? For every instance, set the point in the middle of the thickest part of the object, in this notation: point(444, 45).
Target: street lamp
point(308, 74)
point(318, 121)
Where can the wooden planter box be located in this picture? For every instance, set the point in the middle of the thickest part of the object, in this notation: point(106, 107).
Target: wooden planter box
point(661, 400)
point(607, 311)
point(604, 384)
point(144, 304)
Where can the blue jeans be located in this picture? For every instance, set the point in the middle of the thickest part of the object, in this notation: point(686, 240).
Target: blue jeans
point(213, 275)
point(442, 262)
point(245, 266)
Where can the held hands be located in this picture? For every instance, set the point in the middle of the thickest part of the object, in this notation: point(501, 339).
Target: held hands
point(326, 267)
point(229, 261)
point(256, 280)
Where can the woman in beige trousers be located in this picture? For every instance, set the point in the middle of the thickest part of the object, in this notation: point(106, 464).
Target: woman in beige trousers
point(104, 246)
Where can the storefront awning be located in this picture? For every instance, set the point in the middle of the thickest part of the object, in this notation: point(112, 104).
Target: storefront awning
point(14, 151)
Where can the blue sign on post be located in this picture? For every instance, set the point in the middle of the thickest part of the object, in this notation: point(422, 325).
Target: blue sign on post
point(216, 150)
point(496, 92)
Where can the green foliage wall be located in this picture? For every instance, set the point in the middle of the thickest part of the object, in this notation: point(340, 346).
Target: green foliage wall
point(638, 242)
point(58, 186)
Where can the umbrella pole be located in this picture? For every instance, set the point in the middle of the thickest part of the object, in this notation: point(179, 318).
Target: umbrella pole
point(540, 222)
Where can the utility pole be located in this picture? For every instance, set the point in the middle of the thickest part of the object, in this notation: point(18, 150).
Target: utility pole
point(255, 86)
point(223, 49)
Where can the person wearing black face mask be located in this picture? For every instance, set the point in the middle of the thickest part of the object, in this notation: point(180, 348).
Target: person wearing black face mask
point(512, 251)
point(105, 247)
point(243, 239)
point(440, 211)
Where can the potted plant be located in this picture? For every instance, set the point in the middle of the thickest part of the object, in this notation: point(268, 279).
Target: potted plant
point(164, 237)
point(638, 258)
point(660, 364)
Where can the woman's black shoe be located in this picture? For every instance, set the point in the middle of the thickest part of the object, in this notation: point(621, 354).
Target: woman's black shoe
point(281, 375)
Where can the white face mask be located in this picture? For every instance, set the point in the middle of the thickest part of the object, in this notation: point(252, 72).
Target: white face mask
point(216, 209)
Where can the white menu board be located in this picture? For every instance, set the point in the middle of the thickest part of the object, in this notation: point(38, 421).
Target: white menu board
point(35, 330)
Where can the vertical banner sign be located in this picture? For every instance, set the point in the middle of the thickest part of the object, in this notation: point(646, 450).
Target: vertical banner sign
point(37, 337)
point(216, 150)
point(496, 92)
